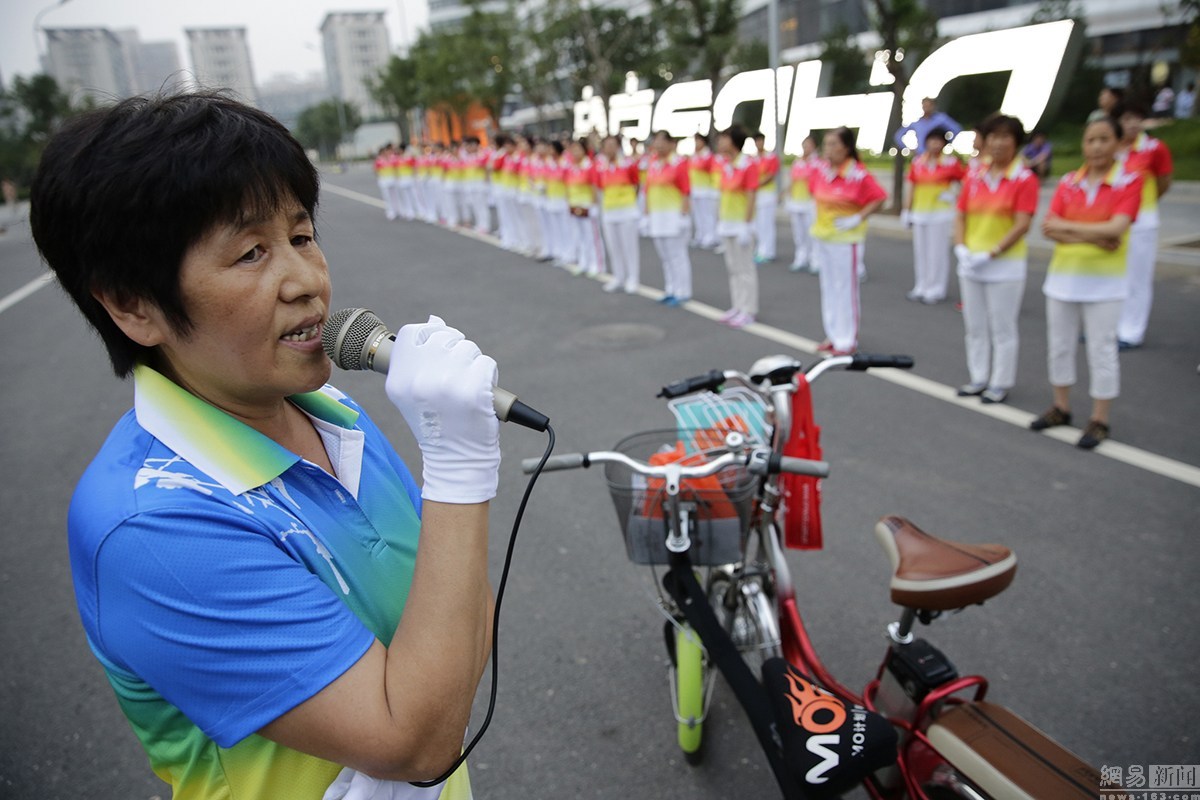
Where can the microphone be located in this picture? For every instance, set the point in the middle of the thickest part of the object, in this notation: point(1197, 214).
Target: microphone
point(355, 338)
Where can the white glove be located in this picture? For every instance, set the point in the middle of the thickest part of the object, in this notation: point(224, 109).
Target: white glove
point(644, 225)
point(906, 218)
point(442, 385)
point(948, 196)
point(979, 259)
point(963, 254)
point(848, 223)
point(685, 224)
point(745, 238)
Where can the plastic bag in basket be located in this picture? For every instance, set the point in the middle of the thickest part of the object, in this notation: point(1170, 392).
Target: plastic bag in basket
point(707, 490)
point(714, 437)
point(801, 493)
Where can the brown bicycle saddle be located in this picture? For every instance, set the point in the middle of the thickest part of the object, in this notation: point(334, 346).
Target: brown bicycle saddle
point(933, 574)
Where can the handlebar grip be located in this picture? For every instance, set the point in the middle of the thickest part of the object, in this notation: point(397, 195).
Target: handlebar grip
point(865, 361)
point(710, 380)
point(563, 461)
point(804, 466)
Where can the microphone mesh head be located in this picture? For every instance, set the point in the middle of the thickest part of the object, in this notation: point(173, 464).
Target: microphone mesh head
point(346, 334)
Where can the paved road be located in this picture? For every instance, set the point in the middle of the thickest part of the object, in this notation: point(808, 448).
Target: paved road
point(1096, 640)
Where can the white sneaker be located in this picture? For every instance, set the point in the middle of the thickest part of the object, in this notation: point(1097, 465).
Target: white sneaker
point(612, 286)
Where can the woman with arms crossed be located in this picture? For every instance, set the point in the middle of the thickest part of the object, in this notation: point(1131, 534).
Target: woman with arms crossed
point(1088, 279)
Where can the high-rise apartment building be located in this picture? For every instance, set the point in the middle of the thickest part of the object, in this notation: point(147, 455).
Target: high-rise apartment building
point(88, 62)
point(221, 60)
point(152, 66)
point(447, 14)
point(357, 48)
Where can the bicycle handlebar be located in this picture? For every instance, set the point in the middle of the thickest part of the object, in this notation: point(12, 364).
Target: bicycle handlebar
point(708, 381)
point(713, 379)
point(759, 462)
point(864, 361)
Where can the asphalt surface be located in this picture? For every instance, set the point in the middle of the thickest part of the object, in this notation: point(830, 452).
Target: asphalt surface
point(1095, 642)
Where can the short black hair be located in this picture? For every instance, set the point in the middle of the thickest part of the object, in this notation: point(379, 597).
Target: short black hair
point(1131, 107)
point(1111, 121)
point(737, 135)
point(847, 138)
point(122, 193)
point(937, 131)
point(1003, 123)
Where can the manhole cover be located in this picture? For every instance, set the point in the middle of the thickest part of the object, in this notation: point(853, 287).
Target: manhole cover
point(616, 336)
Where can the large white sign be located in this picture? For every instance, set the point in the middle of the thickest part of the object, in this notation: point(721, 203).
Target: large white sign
point(1032, 56)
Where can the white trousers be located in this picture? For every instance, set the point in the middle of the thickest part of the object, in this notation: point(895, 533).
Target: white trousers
point(387, 188)
point(480, 209)
point(704, 220)
point(621, 236)
point(1135, 314)
point(743, 276)
point(677, 265)
point(764, 225)
point(506, 214)
point(546, 227)
point(449, 212)
point(990, 318)
point(931, 258)
point(839, 265)
point(587, 245)
point(801, 238)
point(1099, 322)
point(408, 202)
point(530, 229)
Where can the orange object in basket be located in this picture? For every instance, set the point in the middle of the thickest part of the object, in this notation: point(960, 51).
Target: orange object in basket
point(708, 491)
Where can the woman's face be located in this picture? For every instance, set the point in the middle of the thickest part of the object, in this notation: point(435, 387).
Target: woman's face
point(1001, 146)
point(808, 146)
point(1100, 144)
point(610, 148)
point(935, 145)
point(258, 296)
point(834, 149)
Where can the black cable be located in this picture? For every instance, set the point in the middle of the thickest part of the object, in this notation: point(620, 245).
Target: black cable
point(508, 556)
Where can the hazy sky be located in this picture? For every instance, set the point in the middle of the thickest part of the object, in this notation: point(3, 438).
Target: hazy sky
point(277, 30)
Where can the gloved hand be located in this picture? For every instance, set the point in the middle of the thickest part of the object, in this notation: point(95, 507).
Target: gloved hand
point(848, 223)
point(442, 385)
point(643, 225)
point(963, 254)
point(745, 237)
point(948, 196)
point(906, 218)
point(979, 259)
point(685, 224)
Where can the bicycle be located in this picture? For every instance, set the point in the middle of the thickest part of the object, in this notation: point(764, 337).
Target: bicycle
point(711, 504)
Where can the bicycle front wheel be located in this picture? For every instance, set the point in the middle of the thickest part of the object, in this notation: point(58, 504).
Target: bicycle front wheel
point(689, 691)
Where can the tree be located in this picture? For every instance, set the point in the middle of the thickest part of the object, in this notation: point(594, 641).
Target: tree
point(599, 45)
point(847, 64)
point(323, 127)
point(701, 34)
point(30, 112)
point(904, 26)
point(398, 91)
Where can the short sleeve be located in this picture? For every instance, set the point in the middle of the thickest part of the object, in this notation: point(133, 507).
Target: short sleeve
point(683, 181)
point(1130, 199)
point(213, 613)
point(1026, 200)
point(750, 178)
point(870, 190)
point(1058, 203)
point(964, 195)
point(1163, 164)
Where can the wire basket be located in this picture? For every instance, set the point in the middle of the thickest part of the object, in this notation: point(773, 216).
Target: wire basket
point(719, 506)
point(734, 409)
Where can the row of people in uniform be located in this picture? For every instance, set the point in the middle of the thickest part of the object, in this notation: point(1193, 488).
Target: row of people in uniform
point(1103, 219)
point(587, 210)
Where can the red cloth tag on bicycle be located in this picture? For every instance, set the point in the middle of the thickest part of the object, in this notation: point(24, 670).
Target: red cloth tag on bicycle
point(802, 493)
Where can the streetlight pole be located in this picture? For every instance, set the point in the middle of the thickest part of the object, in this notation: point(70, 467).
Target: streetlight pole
point(37, 28)
point(773, 63)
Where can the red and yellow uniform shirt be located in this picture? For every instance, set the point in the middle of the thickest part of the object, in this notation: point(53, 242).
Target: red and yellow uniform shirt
point(384, 170)
point(667, 184)
point(618, 184)
point(580, 180)
point(768, 169)
point(838, 193)
point(406, 167)
point(933, 177)
point(989, 206)
point(1150, 158)
point(700, 174)
point(739, 182)
point(555, 176)
point(1084, 272)
point(799, 197)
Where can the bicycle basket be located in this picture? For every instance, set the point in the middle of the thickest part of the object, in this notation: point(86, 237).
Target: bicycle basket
point(719, 506)
point(734, 409)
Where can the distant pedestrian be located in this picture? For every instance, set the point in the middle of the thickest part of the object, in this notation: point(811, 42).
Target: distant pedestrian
point(800, 206)
point(1037, 155)
point(585, 240)
point(705, 193)
point(767, 201)
point(1108, 99)
point(1089, 219)
point(914, 135)
point(616, 190)
point(1185, 102)
point(735, 225)
point(668, 217)
point(995, 210)
point(933, 178)
point(845, 194)
point(1150, 158)
point(1164, 102)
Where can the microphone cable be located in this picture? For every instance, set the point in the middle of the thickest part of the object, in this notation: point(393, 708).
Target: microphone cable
point(495, 658)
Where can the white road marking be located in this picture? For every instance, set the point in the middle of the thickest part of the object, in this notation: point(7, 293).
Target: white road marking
point(20, 294)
